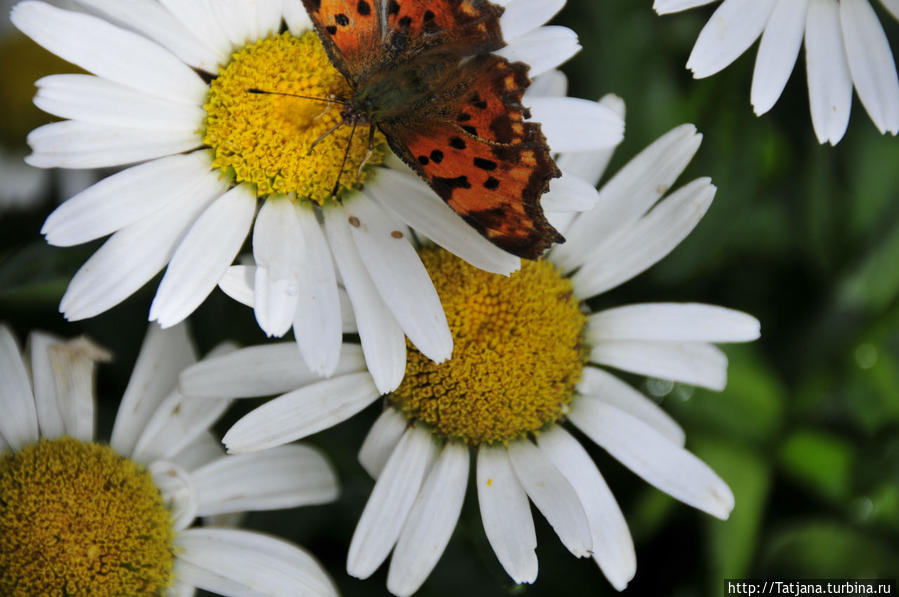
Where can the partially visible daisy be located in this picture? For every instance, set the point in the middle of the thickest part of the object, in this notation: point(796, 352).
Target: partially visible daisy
point(530, 362)
point(21, 62)
point(79, 517)
point(212, 150)
point(845, 46)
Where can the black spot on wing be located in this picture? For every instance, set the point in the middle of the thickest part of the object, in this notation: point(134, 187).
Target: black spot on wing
point(363, 8)
point(437, 156)
point(488, 165)
point(491, 184)
point(342, 20)
point(470, 130)
point(393, 8)
point(457, 143)
point(445, 186)
point(332, 29)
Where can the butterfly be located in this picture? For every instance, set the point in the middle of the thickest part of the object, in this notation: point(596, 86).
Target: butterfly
point(422, 72)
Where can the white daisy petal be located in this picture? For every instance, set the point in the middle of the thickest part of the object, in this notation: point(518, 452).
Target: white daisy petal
point(651, 239)
point(163, 354)
point(204, 255)
point(412, 202)
point(552, 83)
point(506, 514)
point(597, 384)
point(778, 52)
point(179, 589)
point(46, 403)
point(829, 82)
point(400, 277)
point(694, 363)
point(268, 17)
point(302, 412)
point(639, 447)
point(295, 16)
point(382, 438)
point(382, 337)
point(202, 450)
point(236, 563)
point(236, 19)
point(522, 16)
point(75, 144)
point(73, 365)
point(177, 422)
point(18, 425)
point(198, 17)
point(892, 6)
point(871, 63)
point(390, 502)
point(613, 548)
point(554, 496)
point(572, 124)
point(97, 101)
point(672, 322)
point(542, 49)
point(431, 521)
point(590, 165)
point(125, 198)
point(261, 370)
point(317, 322)
point(283, 477)
point(152, 20)
point(127, 58)
point(733, 27)
point(238, 284)
point(669, 6)
point(569, 193)
point(278, 250)
point(134, 254)
point(628, 195)
point(173, 483)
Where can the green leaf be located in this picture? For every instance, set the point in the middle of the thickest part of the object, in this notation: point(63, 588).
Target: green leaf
point(821, 461)
point(751, 406)
point(732, 543)
point(814, 549)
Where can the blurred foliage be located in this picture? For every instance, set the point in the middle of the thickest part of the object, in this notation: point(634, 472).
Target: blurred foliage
point(804, 237)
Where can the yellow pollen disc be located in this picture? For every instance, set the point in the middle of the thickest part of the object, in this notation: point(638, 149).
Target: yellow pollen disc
point(78, 519)
point(22, 62)
point(267, 139)
point(518, 352)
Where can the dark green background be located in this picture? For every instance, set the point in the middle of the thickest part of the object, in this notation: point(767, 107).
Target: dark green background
point(803, 236)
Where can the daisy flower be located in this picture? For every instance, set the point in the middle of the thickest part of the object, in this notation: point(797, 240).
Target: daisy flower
point(170, 89)
point(530, 363)
point(845, 47)
point(79, 517)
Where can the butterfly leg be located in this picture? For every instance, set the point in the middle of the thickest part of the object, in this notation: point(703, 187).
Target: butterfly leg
point(346, 154)
point(369, 153)
point(324, 135)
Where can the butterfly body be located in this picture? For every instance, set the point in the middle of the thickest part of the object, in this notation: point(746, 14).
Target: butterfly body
point(422, 72)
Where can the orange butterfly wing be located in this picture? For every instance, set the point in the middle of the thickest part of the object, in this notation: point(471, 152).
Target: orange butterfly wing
point(462, 27)
point(480, 156)
point(350, 31)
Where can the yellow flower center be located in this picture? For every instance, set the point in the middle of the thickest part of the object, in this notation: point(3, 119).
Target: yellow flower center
point(276, 141)
point(22, 62)
point(518, 352)
point(78, 519)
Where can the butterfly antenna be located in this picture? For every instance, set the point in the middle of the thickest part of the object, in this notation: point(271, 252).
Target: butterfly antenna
point(345, 156)
point(329, 100)
point(369, 153)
